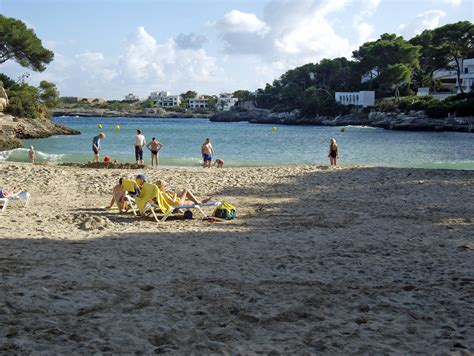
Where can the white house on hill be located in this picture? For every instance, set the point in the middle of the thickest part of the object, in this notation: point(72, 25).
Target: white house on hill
point(199, 103)
point(225, 102)
point(164, 99)
point(360, 98)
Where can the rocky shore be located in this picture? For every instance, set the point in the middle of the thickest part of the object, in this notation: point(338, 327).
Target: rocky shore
point(411, 121)
point(14, 129)
point(152, 113)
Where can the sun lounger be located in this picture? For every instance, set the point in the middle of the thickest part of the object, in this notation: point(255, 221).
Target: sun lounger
point(152, 199)
point(198, 207)
point(22, 197)
point(131, 187)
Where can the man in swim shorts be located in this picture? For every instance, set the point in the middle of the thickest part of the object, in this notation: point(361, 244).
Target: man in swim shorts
point(207, 151)
point(139, 143)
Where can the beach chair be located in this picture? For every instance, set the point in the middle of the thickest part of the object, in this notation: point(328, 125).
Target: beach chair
point(198, 207)
point(131, 187)
point(154, 201)
point(22, 197)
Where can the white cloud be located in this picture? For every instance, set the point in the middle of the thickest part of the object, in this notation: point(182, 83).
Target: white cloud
point(289, 33)
point(145, 65)
point(241, 22)
point(454, 3)
point(423, 21)
point(363, 28)
point(190, 40)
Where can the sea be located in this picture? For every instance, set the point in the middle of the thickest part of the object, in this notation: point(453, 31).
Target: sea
point(241, 144)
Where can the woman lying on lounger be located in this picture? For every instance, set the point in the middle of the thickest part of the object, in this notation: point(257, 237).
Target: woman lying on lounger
point(185, 197)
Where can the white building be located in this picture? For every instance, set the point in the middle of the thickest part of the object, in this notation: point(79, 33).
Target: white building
point(199, 103)
point(225, 102)
point(131, 97)
point(156, 95)
point(164, 99)
point(360, 98)
point(467, 76)
point(169, 101)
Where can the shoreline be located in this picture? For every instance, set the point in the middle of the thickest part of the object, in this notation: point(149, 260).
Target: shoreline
point(446, 166)
point(316, 262)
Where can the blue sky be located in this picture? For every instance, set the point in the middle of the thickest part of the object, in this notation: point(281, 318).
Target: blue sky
point(110, 48)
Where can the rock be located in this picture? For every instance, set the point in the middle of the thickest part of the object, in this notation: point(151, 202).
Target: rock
point(13, 129)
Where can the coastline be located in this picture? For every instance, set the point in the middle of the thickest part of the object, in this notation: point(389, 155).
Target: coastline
point(128, 114)
point(14, 129)
point(411, 121)
point(316, 261)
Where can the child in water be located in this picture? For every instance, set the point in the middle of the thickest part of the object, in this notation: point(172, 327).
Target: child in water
point(333, 152)
point(219, 163)
point(31, 154)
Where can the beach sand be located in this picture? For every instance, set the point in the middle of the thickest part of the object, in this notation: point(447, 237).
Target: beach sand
point(319, 261)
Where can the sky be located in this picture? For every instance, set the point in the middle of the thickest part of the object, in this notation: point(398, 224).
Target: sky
point(109, 48)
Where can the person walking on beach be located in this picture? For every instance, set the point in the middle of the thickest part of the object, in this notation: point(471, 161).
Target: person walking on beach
point(155, 146)
point(207, 151)
point(333, 152)
point(140, 142)
point(31, 154)
point(96, 146)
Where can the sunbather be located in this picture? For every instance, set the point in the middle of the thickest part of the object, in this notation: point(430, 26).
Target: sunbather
point(185, 197)
point(118, 197)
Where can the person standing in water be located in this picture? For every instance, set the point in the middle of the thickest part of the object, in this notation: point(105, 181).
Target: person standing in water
point(139, 143)
point(333, 152)
point(207, 151)
point(31, 154)
point(155, 146)
point(96, 146)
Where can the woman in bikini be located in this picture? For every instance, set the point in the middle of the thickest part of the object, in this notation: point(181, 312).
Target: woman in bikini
point(118, 197)
point(185, 197)
point(333, 152)
point(155, 146)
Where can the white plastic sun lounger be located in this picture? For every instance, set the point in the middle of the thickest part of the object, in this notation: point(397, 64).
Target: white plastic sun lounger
point(132, 204)
point(23, 198)
point(151, 208)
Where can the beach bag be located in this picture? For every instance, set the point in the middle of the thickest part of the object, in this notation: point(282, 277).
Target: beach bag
point(225, 211)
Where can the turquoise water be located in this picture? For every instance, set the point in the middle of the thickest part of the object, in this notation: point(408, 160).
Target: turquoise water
point(244, 144)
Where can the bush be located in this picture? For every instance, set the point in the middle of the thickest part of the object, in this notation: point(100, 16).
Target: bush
point(440, 110)
point(24, 101)
point(465, 108)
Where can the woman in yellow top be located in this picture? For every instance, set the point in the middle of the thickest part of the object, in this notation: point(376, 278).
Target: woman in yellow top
point(185, 197)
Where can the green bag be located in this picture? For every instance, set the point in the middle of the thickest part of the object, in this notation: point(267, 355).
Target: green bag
point(225, 211)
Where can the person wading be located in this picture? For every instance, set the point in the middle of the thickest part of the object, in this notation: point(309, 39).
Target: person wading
point(139, 143)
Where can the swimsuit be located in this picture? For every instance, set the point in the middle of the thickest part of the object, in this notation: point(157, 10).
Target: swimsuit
point(154, 152)
point(207, 157)
point(333, 152)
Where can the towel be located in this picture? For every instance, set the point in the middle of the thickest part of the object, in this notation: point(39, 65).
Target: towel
point(130, 186)
point(149, 193)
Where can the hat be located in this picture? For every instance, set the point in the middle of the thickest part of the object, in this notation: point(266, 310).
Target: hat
point(141, 176)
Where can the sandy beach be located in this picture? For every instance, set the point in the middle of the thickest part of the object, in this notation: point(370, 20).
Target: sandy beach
point(319, 261)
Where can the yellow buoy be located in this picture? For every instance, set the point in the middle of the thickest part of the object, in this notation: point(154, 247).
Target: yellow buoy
point(99, 126)
point(117, 127)
point(274, 129)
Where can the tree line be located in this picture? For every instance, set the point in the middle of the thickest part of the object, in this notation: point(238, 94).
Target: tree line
point(390, 65)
